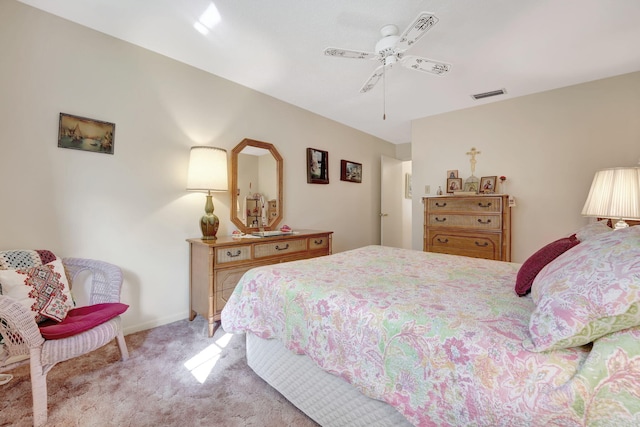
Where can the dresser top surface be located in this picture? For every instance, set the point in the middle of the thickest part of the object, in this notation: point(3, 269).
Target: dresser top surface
point(229, 240)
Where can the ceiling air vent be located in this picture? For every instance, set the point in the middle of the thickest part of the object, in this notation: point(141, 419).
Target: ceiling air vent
point(489, 94)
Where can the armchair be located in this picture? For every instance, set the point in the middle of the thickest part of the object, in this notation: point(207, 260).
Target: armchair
point(24, 341)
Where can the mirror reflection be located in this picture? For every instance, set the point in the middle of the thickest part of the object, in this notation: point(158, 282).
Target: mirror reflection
point(256, 186)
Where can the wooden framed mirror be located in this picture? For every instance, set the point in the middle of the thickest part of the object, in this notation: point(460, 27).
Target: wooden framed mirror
point(256, 186)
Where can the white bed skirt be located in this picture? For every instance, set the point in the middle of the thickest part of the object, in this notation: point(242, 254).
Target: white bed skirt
point(327, 399)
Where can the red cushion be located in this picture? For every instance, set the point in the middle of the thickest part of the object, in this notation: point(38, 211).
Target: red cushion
point(81, 319)
point(537, 261)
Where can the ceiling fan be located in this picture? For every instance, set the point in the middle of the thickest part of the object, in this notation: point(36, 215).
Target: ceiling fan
point(391, 49)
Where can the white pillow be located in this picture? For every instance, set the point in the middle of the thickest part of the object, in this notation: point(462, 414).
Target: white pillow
point(43, 289)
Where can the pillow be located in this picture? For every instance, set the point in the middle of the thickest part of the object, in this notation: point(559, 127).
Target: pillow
point(43, 289)
point(538, 260)
point(591, 230)
point(23, 258)
point(587, 292)
point(81, 319)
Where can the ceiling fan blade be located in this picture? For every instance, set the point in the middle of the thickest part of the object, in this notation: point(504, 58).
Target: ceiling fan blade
point(416, 30)
point(346, 53)
point(426, 65)
point(373, 79)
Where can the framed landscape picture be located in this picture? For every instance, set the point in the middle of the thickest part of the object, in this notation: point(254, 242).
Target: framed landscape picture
point(81, 133)
point(317, 166)
point(350, 171)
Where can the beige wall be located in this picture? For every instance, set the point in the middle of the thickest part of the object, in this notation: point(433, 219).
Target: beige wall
point(548, 145)
point(131, 208)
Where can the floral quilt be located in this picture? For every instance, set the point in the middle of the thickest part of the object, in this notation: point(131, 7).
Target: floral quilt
point(439, 337)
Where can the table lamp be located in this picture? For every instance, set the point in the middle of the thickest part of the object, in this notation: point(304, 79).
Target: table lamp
point(208, 172)
point(615, 194)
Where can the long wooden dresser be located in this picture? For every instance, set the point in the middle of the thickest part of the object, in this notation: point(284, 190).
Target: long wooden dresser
point(216, 266)
point(474, 226)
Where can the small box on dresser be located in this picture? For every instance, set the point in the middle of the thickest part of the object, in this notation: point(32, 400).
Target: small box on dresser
point(474, 226)
point(216, 266)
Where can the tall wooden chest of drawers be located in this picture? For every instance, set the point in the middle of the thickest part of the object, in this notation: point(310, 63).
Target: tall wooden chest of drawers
point(216, 266)
point(474, 226)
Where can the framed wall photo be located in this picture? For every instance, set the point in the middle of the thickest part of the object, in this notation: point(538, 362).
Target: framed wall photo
point(454, 184)
point(452, 173)
point(350, 171)
point(81, 133)
point(487, 184)
point(317, 166)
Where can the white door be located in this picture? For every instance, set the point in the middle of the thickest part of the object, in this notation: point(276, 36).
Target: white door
point(391, 200)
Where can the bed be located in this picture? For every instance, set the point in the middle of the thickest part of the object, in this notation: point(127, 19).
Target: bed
point(387, 336)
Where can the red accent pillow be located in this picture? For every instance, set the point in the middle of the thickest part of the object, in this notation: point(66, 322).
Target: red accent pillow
point(81, 319)
point(541, 258)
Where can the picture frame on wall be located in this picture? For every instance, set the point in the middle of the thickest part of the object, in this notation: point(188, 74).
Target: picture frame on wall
point(453, 173)
point(454, 184)
point(350, 171)
point(487, 185)
point(82, 133)
point(317, 166)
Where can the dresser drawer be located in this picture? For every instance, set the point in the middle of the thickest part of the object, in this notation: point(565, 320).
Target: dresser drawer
point(232, 254)
point(280, 248)
point(226, 281)
point(476, 222)
point(321, 242)
point(478, 246)
point(474, 204)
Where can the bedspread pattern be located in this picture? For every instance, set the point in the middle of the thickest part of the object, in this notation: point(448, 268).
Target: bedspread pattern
point(438, 337)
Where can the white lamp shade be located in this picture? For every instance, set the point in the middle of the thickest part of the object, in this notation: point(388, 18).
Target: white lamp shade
point(615, 193)
point(207, 169)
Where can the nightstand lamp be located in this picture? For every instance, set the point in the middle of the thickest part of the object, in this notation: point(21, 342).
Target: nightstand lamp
point(208, 172)
point(615, 194)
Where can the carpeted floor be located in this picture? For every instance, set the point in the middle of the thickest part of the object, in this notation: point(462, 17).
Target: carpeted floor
point(154, 387)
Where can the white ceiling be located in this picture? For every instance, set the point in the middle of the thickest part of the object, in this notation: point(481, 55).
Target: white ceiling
point(276, 47)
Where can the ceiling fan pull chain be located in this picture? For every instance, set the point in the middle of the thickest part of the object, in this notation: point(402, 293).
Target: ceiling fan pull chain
point(384, 93)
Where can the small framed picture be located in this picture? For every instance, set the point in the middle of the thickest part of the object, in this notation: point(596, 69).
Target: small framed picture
point(471, 187)
point(487, 184)
point(81, 133)
point(454, 184)
point(317, 166)
point(350, 171)
point(452, 174)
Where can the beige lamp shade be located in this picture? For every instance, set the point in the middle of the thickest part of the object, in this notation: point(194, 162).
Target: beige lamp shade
point(208, 172)
point(207, 169)
point(615, 193)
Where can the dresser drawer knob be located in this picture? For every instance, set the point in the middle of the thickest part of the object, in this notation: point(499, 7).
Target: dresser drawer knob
point(441, 219)
point(482, 245)
point(230, 255)
point(278, 248)
point(482, 205)
point(484, 222)
point(442, 240)
point(318, 242)
point(441, 205)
